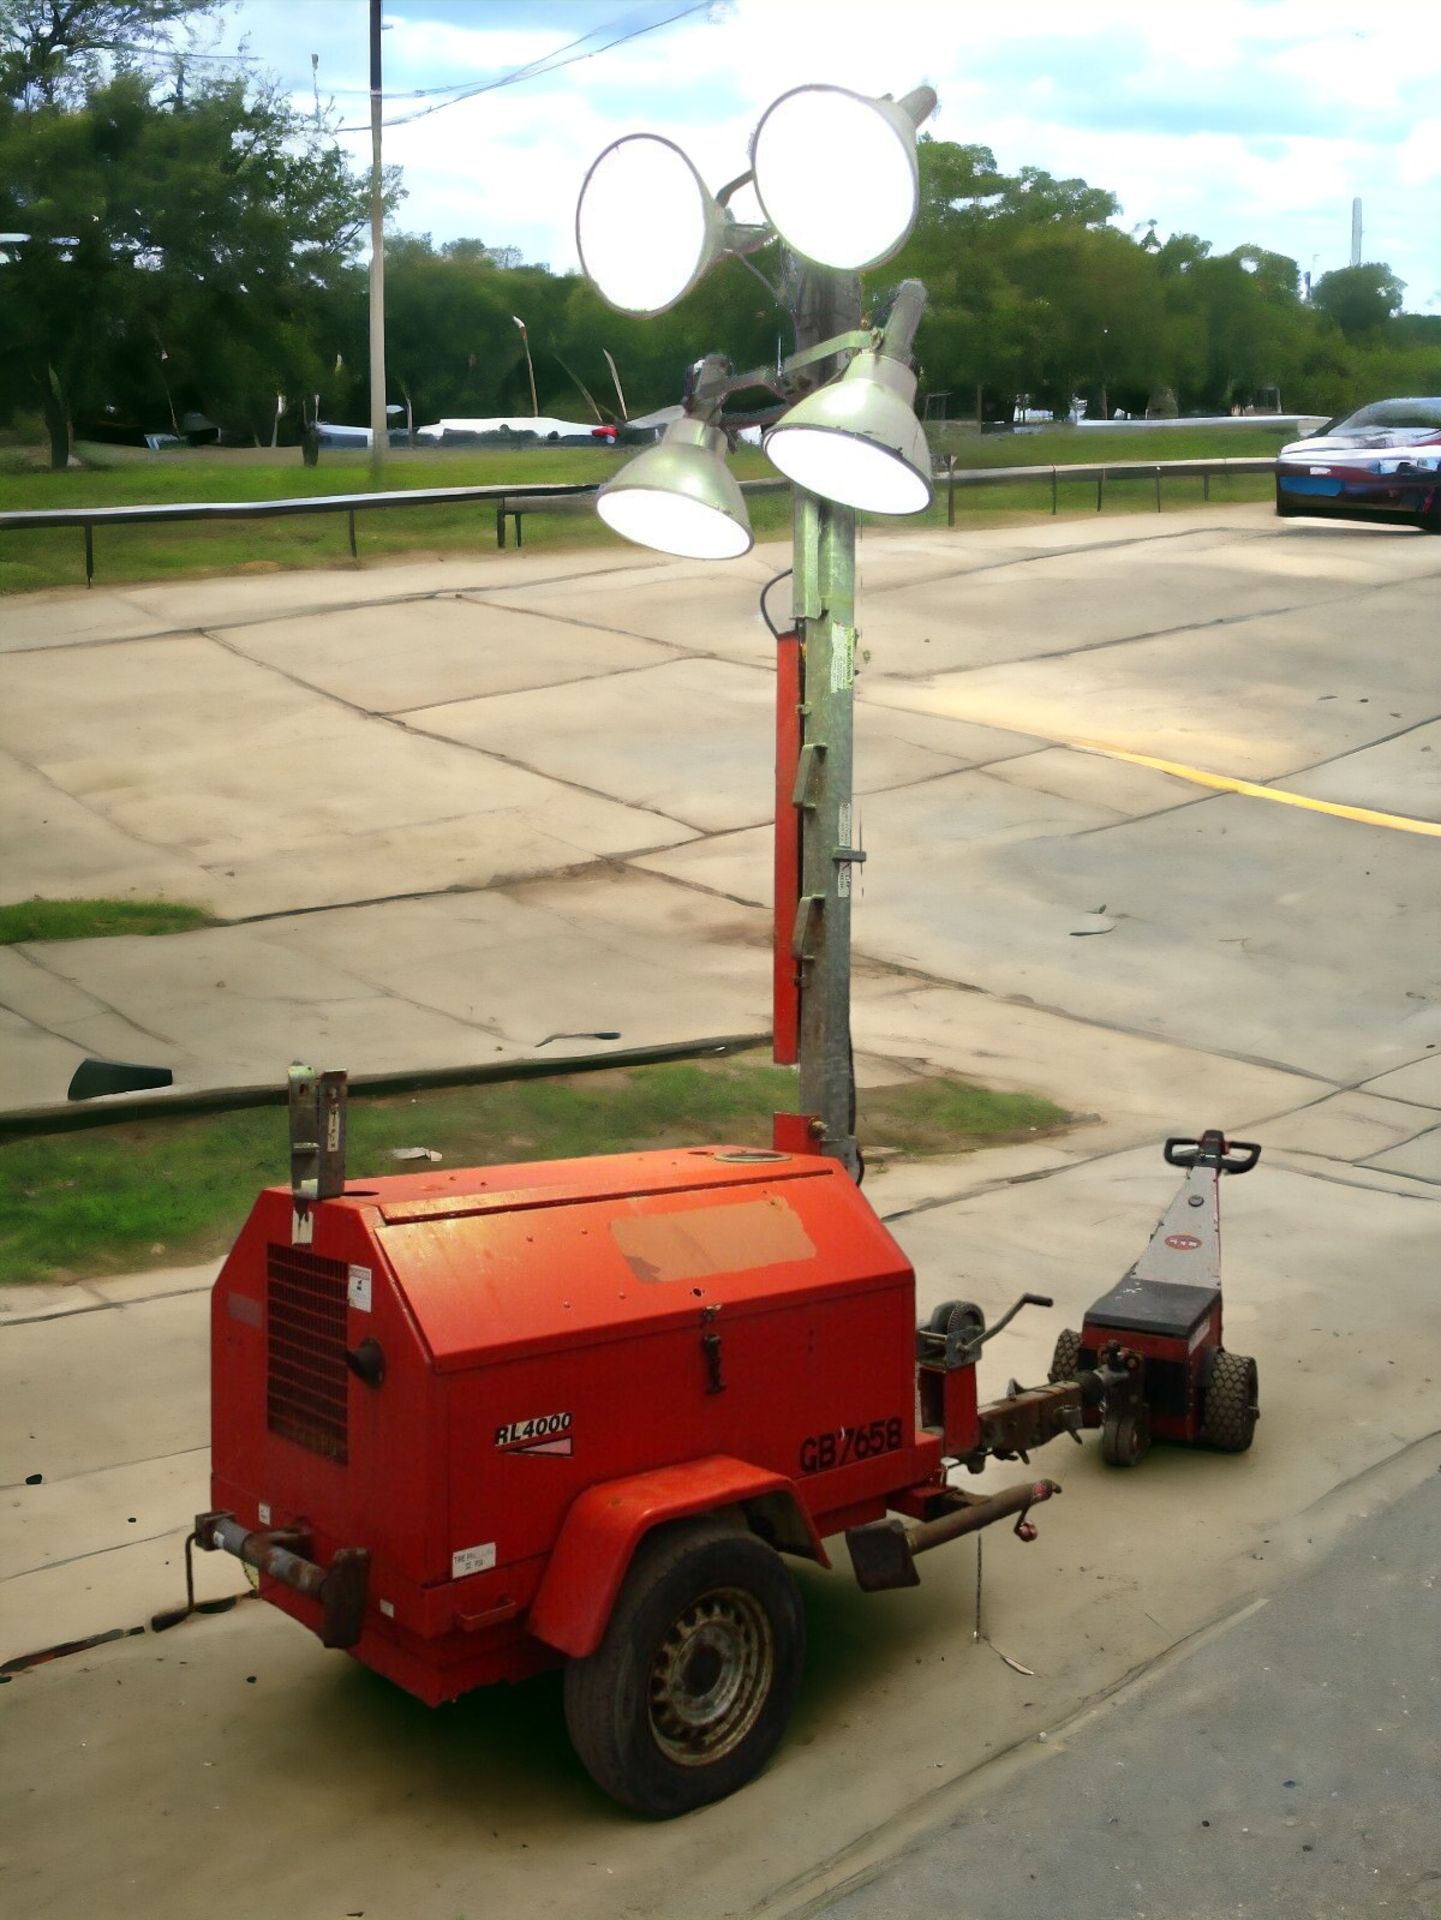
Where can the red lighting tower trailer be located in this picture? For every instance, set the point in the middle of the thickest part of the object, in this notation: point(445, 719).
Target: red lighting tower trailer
point(469, 1424)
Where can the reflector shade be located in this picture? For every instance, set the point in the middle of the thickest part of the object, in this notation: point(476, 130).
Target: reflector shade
point(836, 175)
point(680, 497)
point(645, 225)
point(858, 441)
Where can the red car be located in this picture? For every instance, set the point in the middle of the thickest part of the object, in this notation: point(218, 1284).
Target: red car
point(1381, 463)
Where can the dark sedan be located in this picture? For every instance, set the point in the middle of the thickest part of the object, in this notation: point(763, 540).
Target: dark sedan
point(1381, 463)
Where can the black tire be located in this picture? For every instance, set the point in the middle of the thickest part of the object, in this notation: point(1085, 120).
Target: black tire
point(687, 1696)
point(1066, 1357)
point(1230, 1401)
point(1126, 1437)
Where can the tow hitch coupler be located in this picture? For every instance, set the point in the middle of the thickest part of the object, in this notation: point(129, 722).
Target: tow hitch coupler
point(282, 1554)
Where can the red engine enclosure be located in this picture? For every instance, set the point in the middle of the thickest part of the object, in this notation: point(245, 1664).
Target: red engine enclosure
point(573, 1352)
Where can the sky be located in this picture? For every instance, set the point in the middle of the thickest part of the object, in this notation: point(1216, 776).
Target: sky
point(1244, 121)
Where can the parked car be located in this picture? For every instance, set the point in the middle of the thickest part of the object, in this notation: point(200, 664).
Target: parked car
point(1381, 463)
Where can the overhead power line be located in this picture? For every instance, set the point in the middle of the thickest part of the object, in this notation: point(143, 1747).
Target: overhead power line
point(177, 53)
point(534, 69)
point(466, 86)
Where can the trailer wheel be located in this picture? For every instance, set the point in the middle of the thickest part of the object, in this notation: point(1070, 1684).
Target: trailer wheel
point(1230, 1401)
point(1066, 1359)
point(1126, 1437)
point(689, 1692)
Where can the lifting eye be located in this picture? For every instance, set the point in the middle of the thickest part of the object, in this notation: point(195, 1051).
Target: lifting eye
point(367, 1361)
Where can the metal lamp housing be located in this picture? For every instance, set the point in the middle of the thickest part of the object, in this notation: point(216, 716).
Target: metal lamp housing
point(646, 226)
point(836, 173)
point(858, 441)
point(680, 497)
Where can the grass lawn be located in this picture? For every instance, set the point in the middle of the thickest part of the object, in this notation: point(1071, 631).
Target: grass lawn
point(95, 919)
point(54, 556)
point(168, 1192)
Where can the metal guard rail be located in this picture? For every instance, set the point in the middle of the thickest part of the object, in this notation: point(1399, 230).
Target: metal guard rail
point(515, 502)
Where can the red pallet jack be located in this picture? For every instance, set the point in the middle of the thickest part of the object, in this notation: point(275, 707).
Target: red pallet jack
point(1150, 1358)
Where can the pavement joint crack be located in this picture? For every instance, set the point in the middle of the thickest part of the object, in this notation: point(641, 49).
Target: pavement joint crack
point(110, 1466)
point(574, 786)
point(177, 854)
point(104, 1007)
point(100, 1306)
point(95, 1553)
point(1032, 554)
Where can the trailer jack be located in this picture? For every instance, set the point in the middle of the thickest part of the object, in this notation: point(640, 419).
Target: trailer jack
point(883, 1553)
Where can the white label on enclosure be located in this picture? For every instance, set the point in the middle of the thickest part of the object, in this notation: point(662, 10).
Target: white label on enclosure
point(358, 1292)
point(472, 1560)
point(263, 1510)
point(843, 658)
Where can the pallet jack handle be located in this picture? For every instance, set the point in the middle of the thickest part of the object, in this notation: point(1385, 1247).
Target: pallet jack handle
point(1213, 1149)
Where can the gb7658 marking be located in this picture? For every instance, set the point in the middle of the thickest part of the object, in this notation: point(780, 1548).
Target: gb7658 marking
point(822, 1451)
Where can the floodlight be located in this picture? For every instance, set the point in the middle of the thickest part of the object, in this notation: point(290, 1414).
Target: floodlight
point(680, 497)
point(858, 441)
point(835, 172)
point(645, 224)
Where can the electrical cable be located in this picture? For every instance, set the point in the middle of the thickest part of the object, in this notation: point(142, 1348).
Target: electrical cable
point(460, 86)
point(765, 611)
point(535, 69)
point(182, 54)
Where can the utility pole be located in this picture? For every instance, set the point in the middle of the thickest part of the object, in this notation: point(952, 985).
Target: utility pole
point(379, 431)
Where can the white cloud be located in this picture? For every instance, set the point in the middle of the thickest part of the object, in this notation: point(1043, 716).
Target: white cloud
point(1242, 120)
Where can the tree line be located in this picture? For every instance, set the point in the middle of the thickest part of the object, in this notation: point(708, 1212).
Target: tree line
point(193, 248)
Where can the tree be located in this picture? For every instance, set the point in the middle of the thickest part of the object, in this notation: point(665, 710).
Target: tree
point(54, 52)
point(1359, 299)
point(176, 254)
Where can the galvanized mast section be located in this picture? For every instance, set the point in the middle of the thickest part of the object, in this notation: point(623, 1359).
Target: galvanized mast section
point(823, 598)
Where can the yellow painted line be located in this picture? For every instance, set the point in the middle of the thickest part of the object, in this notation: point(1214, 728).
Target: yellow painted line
point(1223, 783)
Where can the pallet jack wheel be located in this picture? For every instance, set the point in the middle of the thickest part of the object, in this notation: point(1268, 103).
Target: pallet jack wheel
point(1066, 1358)
point(689, 1692)
point(1126, 1436)
point(1230, 1401)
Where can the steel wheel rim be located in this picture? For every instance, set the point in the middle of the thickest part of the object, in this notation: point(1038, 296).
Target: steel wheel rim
point(711, 1677)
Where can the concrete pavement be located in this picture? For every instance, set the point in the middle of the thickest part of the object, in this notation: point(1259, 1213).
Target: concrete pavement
point(1218, 1785)
point(1157, 957)
point(416, 786)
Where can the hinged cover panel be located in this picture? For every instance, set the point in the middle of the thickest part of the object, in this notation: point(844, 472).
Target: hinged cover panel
point(613, 1247)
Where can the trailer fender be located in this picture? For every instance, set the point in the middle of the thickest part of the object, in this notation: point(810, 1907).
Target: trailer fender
point(602, 1530)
